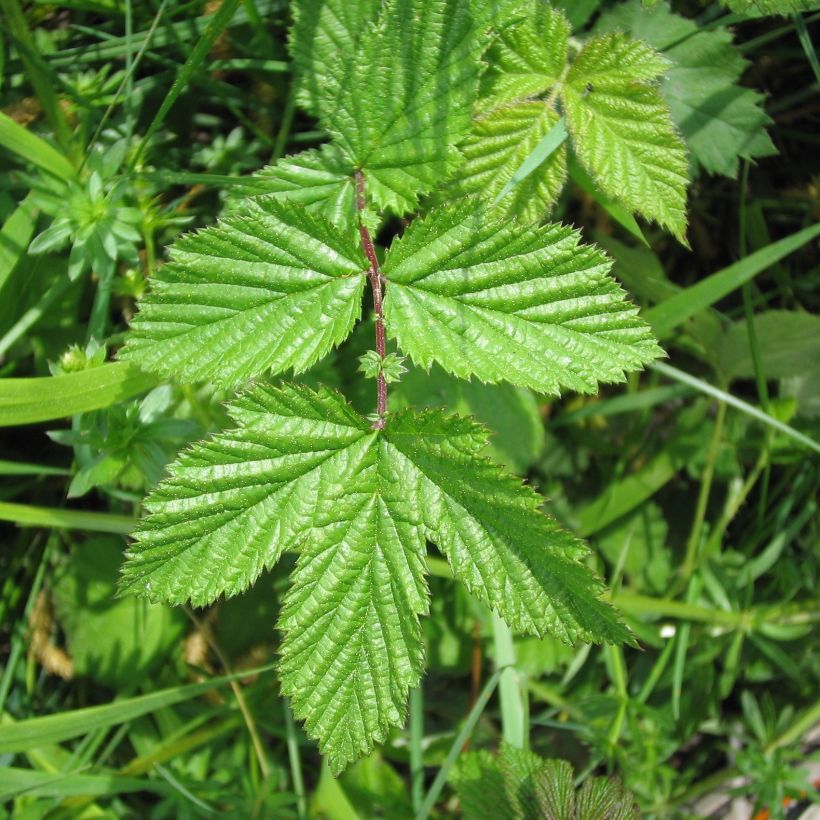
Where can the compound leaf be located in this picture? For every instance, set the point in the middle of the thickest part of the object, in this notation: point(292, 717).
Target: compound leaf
point(622, 130)
point(270, 287)
point(720, 120)
point(302, 471)
point(403, 98)
point(232, 504)
point(506, 302)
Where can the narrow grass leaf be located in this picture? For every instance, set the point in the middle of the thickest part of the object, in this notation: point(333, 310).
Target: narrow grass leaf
point(674, 311)
point(41, 731)
point(28, 401)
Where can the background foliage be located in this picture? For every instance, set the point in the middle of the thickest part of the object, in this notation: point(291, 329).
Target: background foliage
point(695, 482)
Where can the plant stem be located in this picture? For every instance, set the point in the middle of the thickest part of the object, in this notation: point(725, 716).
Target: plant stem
point(376, 279)
point(416, 752)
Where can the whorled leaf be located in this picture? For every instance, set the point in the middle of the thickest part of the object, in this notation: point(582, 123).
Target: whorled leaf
point(622, 130)
point(508, 302)
point(400, 101)
point(302, 471)
point(269, 288)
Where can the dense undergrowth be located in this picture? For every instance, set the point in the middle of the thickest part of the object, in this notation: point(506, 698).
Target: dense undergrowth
point(694, 482)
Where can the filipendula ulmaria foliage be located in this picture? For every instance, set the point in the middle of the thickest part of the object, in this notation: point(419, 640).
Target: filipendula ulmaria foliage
point(279, 282)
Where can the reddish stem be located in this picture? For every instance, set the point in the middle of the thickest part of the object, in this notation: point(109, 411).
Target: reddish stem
point(376, 279)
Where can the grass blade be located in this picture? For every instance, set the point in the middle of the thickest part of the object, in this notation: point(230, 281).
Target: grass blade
point(26, 515)
point(458, 744)
point(31, 148)
point(200, 51)
point(41, 731)
point(672, 313)
point(738, 404)
point(28, 401)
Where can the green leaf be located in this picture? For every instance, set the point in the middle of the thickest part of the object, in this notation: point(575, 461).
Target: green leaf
point(528, 59)
point(321, 31)
point(402, 99)
point(270, 287)
point(318, 179)
point(498, 145)
point(31, 148)
point(622, 130)
point(510, 413)
point(37, 732)
point(506, 302)
point(520, 785)
point(303, 471)
point(720, 120)
point(28, 401)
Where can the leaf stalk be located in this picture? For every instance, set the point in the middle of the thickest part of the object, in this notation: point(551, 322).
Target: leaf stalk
point(376, 279)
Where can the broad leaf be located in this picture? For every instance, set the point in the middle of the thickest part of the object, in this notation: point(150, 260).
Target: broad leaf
point(622, 130)
point(270, 287)
point(505, 302)
point(319, 179)
point(302, 471)
point(322, 30)
point(720, 120)
point(401, 100)
point(499, 143)
point(528, 59)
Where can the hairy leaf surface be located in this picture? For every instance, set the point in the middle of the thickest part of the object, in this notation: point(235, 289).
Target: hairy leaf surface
point(302, 471)
point(622, 130)
point(403, 98)
point(270, 287)
point(720, 120)
point(505, 302)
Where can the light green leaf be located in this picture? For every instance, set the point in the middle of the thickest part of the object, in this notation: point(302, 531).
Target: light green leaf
point(720, 120)
point(270, 287)
point(31, 148)
point(319, 179)
point(510, 555)
point(500, 142)
point(323, 30)
point(403, 98)
point(244, 496)
point(506, 302)
point(303, 471)
point(622, 130)
point(528, 59)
